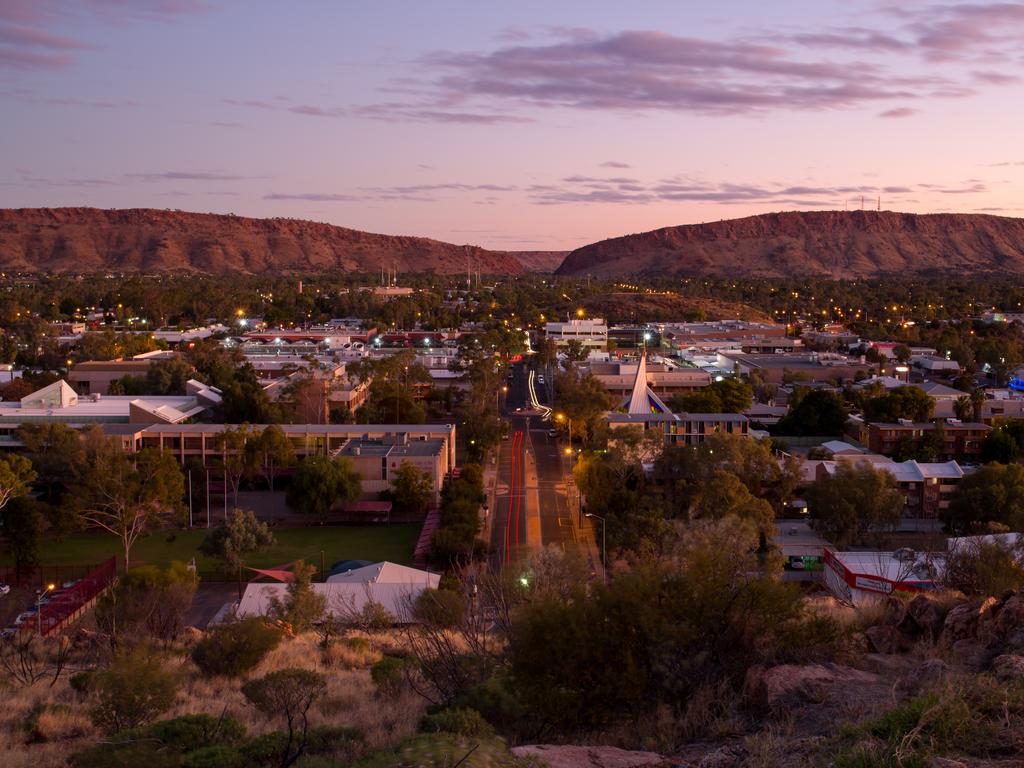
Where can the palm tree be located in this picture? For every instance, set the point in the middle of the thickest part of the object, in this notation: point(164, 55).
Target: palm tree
point(964, 408)
point(978, 397)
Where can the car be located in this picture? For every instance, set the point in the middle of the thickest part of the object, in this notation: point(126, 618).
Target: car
point(23, 617)
point(5, 589)
point(552, 433)
point(540, 379)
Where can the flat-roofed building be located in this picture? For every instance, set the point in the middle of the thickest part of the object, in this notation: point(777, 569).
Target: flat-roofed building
point(663, 377)
point(591, 332)
point(961, 440)
point(96, 376)
point(775, 369)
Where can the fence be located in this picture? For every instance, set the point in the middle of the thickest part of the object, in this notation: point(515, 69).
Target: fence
point(39, 577)
point(67, 604)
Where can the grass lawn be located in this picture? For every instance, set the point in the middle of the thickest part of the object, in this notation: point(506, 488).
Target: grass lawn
point(374, 543)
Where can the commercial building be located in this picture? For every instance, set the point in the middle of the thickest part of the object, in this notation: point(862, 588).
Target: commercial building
point(592, 333)
point(96, 376)
point(777, 369)
point(59, 403)
point(634, 336)
point(863, 577)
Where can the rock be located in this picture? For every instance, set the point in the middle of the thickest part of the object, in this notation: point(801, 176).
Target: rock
point(926, 614)
point(961, 623)
point(971, 654)
point(1009, 667)
point(1009, 622)
point(793, 685)
point(724, 757)
point(895, 611)
point(568, 756)
point(886, 639)
point(945, 762)
point(932, 671)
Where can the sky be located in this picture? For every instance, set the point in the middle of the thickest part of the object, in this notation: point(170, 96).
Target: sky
point(513, 125)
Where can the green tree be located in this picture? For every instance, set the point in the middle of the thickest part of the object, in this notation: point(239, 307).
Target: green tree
point(236, 648)
point(147, 602)
point(854, 505)
point(819, 412)
point(411, 488)
point(16, 475)
point(169, 376)
point(241, 535)
point(992, 494)
point(320, 482)
point(302, 605)
point(287, 694)
point(126, 494)
point(235, 458)
point(132, 691)
point(724, 494)
point(54, 450)
point(21, 523)
point(271, 451)
point(900, 403)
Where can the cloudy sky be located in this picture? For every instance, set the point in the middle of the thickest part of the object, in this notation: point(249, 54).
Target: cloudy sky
point(520, 125)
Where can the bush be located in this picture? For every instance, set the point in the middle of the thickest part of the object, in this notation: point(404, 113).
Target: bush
point(148, 602)
point(460, 721)
point(131, 692)
point(81, 682)
point(191, 741)
point(374, 617)
point(234, 649)
point(443, 609)
point(344, 744)
point(388, 675)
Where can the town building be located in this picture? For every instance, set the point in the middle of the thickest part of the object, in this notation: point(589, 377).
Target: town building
point(645, 409)
point(664, 377)
point(591, 332)
point(96, 376)
point(59, 403)
point(808, 366)
point(859, 578)
point(961, 440)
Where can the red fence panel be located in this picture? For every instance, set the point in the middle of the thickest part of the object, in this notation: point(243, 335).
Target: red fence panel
point(66, 604)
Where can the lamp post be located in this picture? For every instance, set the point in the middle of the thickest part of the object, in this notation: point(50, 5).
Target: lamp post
point(39, 606)
point(604, 543)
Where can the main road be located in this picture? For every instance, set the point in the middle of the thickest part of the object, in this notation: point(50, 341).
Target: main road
point(531, 506)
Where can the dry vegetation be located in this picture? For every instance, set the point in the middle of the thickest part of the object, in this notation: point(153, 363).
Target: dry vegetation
point(42, 725)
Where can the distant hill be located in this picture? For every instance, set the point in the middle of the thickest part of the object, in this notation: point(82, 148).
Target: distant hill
point(857, 244)
point(83, 240)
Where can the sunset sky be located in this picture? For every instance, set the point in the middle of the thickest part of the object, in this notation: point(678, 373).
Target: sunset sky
point(514, 125)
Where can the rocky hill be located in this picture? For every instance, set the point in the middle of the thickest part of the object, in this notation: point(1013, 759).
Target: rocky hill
point(83, 240)
point(859, 244)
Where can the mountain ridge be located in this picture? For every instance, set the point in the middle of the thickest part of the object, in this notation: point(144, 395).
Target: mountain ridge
point(853, 244)
point(84, 240)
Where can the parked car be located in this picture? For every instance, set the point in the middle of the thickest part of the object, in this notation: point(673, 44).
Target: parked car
point(23, 617)
point(5, 589)
point(552, 433)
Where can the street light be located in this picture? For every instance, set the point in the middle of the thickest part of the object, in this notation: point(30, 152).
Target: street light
point(604, 543)
point(39, 606)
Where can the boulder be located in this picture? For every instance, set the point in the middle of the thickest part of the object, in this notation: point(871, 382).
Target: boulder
point(895, 611)
point(971, 654)
point(724, 757)
point(792, 684)
point(932, 671)
point(886, 639)
point(1009, 622)
point(961, 623)
point(926, 614)
point(569, 756)
point(1009, 667)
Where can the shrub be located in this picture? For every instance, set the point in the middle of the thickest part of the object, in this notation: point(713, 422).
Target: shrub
point(439, 608)
point(344, 744)
point(374, 617)
point(81, 682)
point(287, 694)
point(351, 655)
point(131, 692)
point(460, 721)
point(148, 601)
point(388, 675)
point(234, 649)
point(191, 741)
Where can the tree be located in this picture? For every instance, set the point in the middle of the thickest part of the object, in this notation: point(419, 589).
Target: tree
point(235, 458)
point(240, 535)
point(302, 605)
point(54, 450)
point(855, 504)
point(320, 482)
point(412, 488)
point(147, 602)
point(126, 494)
point(237, 647)
point(584, 400)
point(1000, 446)
point(16, 475)
point(819, 412)
point(985, 565)
point(902, 353)
point(169, 376)
point(271, 451)
point(575, 352)
point(900, 403)
point(21, 523)
point(992, 494)
point(132, 691)
point(287, 693)
point(964, 408)
point(724, 494)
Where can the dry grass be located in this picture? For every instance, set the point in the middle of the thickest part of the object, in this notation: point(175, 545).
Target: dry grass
point(63, 726)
